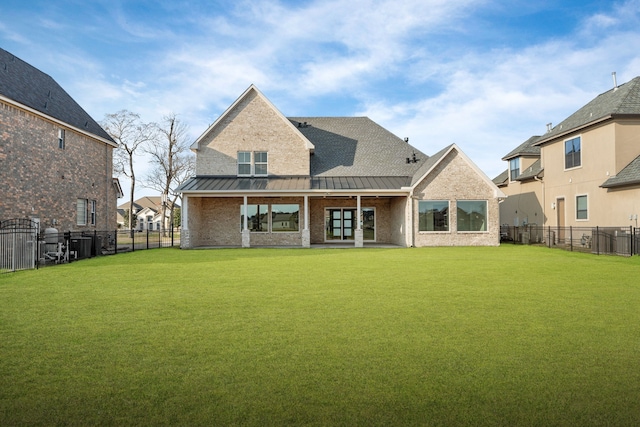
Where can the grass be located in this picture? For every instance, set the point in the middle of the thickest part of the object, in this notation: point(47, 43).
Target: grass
point(433, 336)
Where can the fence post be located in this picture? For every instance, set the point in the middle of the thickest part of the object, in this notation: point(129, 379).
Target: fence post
point(631, 240)
point(597, 240)
point(160, 237)
point(147, 238)
point(570, 238)
point(115, 239)
point(171, 235)
point(133, 241)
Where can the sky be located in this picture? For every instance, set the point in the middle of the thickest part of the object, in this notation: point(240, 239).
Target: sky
point(483, 74)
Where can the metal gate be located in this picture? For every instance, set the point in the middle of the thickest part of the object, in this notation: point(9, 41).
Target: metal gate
point(18, 244)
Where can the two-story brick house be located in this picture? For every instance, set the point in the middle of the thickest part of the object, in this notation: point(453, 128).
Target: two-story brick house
point(584, 172)
point(55, 160)
point(266, 180)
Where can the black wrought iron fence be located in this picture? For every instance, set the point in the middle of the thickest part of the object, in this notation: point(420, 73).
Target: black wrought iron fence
point(25, 248)
point(623, 241)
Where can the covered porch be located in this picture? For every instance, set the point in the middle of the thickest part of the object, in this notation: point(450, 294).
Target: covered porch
point(296, 220)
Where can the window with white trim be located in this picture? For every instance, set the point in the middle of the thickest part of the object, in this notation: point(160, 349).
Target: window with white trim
point(81, 212)
point(582, 207)
point(61, 137)
point(285, 217)
point(260, 163)
point(472, 215)
point(572, 153)
point(514, 168)
point(253, 164)
point(92, 212)
point(257, 218)
point(433, 215)
point(244, 163)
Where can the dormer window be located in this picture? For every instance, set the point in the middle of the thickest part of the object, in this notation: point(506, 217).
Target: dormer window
point(259, 166)
point(514, 168)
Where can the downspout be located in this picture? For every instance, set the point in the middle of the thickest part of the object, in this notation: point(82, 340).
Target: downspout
point(410, 225)
point(544, 201)
point(108, 179)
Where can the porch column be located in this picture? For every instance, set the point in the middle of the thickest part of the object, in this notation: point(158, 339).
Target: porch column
point(306, 234)
point(185, 237)
point(359, 235)
point(246, 234)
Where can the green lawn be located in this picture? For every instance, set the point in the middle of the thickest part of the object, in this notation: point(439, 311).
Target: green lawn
point(507, 336)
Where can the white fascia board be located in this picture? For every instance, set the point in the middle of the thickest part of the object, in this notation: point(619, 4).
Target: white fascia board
point(252, 87)
point(497, 193)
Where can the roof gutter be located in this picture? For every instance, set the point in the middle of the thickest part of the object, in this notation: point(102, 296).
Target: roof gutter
point(575, 129)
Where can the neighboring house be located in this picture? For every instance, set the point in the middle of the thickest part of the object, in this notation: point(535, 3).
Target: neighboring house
point(148, 213)
point(587, 170)
point(56, 161)
point(521, 183)
point(266, 180)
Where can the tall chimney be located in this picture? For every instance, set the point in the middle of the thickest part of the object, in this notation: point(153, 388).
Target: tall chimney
point(615, 81)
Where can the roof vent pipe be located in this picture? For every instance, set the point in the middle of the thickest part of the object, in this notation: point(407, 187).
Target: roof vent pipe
point(549, 127)
point(615, 81)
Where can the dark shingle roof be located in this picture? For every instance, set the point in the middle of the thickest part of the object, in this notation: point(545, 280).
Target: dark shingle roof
point(621, 101)
point(629, 175)
point(356, 146)
point(527, 148)
point(429, 163)
point(501, 179)
point(29, 86)
point(532, 171)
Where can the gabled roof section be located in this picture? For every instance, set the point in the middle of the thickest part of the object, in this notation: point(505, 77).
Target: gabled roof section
point(535, 170)
point(502, 179)
point(435, 160)
point(621, 101)
point(629, 175)
point(241, 98)
point(356, 146)
point(41, 94)
point(526, 149)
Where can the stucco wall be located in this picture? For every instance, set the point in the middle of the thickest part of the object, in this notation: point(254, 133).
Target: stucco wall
point(253, 125)
point(40, 180)
point(524, 204)
point(605, 150)
point(454, 179)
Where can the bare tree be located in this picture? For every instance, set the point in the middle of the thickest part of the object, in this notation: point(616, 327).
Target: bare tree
point(172, 162)
point(130, 133)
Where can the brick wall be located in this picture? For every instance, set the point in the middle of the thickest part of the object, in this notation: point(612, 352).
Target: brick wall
point(253, 125)
point(40, 180)
point(454, 179)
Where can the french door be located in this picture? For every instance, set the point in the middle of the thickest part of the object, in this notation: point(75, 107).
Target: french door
point(341, 223)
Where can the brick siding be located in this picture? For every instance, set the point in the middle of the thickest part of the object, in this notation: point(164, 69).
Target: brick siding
point(40, 180)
